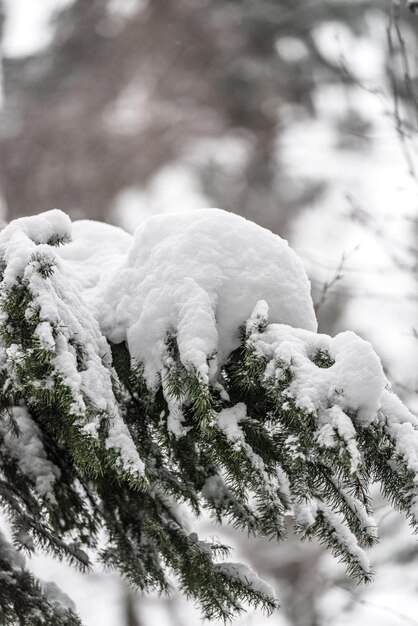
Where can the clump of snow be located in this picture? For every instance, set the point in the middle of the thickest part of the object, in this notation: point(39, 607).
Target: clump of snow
point(28, 450)
point(93, 255)
point(258, 318)
point(245, 575)
point(228, 421)
point(354, 381)
point(49, 227)
point(335, 426)
point(199, 275)
point(304, 513)
point(402, 428)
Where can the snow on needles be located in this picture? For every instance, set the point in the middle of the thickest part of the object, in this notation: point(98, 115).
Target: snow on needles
point(28, 450)
point(195, 278)
point(353, 378)
point(67, 328)
point(245, 575)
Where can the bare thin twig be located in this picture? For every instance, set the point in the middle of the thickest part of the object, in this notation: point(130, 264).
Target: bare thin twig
point(396, 44)
point(338, 275)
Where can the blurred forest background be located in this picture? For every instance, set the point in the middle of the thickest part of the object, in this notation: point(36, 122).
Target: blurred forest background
point(300, 115)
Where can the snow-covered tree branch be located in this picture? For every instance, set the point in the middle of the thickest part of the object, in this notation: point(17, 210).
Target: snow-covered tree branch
point(180, 370)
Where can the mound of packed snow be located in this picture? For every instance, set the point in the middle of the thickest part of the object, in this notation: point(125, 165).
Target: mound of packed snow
point(198, 276)
point(94, 252)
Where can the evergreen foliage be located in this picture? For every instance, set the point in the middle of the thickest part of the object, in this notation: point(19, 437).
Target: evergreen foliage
point(290, 427)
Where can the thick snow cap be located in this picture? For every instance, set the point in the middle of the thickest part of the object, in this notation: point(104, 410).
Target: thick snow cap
point(198, 276)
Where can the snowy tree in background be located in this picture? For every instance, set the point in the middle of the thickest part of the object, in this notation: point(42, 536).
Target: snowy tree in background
point(148, 378)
